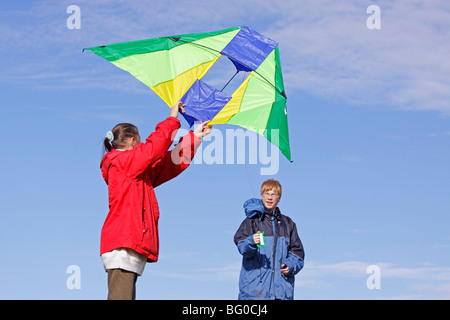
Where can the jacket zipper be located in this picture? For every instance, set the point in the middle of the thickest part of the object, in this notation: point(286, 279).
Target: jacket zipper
point(275, 239)
point(143, 212)
point(143, 223)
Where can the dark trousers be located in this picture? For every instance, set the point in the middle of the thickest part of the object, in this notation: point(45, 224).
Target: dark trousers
point(121, 284)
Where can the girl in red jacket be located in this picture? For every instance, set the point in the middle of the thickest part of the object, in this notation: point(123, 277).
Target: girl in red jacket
point(129, 237)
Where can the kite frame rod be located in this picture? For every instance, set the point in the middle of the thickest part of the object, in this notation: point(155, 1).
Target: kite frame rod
point(176, 39)
point(234, 75)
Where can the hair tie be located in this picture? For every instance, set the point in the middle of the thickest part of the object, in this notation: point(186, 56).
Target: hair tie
point(110, 136)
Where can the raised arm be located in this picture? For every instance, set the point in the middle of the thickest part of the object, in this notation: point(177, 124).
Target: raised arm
point(178, 159)
point(143, 155)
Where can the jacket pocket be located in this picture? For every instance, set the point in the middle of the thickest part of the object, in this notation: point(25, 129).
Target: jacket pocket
point(144, 223)
point(254, 284)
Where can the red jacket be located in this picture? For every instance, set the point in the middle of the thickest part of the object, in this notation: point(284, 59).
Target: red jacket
point(131, 175)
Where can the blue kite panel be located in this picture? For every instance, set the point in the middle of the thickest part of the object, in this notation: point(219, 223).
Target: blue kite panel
point(249, 48)
point(239, 66)
point(203, 102)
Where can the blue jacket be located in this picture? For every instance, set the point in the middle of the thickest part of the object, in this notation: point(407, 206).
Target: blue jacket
point(261, 276)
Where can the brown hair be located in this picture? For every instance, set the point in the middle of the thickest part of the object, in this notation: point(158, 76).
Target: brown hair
point(121, 133)
point(271, 184)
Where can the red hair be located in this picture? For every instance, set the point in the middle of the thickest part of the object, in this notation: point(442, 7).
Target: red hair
point(270, 184)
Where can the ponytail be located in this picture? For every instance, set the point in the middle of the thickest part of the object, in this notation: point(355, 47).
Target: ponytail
point(116, 138)
point(107, 146)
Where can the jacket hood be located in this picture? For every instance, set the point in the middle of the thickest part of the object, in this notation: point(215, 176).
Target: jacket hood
point(106, 163)
point(253, 206)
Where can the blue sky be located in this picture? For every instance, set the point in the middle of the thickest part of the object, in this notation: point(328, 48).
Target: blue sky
point(369, 123)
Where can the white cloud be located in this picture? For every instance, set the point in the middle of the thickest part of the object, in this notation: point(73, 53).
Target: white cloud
point(439, 134)
point(228, 272)
point(389, 270)
point(328, 51)
point(326, 48)
point(323, 276)
point(423, 282)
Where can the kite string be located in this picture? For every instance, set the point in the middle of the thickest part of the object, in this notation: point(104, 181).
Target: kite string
point(250, 180)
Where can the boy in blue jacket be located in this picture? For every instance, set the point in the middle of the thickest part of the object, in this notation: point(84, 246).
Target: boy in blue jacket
point(271, 248)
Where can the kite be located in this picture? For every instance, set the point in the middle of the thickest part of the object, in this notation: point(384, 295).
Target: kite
point(174, 66)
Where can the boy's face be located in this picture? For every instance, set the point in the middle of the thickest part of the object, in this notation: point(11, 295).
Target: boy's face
point(270, 199)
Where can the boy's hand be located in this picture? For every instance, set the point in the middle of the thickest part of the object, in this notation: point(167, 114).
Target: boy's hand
point(257, 237)
point(284, 269)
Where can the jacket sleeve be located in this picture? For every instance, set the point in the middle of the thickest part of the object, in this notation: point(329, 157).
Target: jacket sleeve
point(296, 254)
point(156, 145)
point(244, 239)
point(174, 161)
